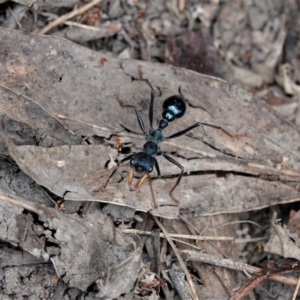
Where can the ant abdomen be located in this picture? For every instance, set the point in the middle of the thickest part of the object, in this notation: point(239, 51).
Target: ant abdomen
point(173, 108)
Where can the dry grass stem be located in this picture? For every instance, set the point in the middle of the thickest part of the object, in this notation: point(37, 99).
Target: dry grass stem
point(296, 289)
point(70, 15)
point(234, 265)
point(199, 237)
point(180, 260)
point(15, 200)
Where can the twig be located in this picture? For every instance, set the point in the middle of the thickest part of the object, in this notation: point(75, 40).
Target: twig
point(15, 18)
point(242, 222)
point(180, 260)
point(230, 264)
point(15, 200)
point(296, 289)
point(36, 208)
point(287, 265)
point(71, 23)
point(68, 16)
point(198, 237)
point(181, 5)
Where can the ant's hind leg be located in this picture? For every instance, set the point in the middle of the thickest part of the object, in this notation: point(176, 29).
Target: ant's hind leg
point(152, 192)
point(150, 116)
point(182, 132)
point(157, 167)
point(174, 187)
point(173, 161)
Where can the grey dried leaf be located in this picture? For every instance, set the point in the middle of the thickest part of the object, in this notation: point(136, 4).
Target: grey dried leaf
point(16, 15)
point(12, 257)
point(279, 243)
point(120, 279)
point(21, 115)
point(28, 3)
point(119, 212)
point(87, 249)
point(257, 166)
point(292, 229)
point(14, 181)
point(17, 229)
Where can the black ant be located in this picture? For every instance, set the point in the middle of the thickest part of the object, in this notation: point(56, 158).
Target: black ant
point(174, 107)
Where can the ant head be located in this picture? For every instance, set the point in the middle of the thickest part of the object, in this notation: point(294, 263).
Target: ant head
point(142, 162)
point(173, 107)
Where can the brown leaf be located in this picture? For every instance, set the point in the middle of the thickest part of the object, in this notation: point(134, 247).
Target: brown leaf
point(257, 167)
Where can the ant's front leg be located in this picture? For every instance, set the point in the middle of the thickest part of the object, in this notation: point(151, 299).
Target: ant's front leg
point(101, 189)
point(140, 182)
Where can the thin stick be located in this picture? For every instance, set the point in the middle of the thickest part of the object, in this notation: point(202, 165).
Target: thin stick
point(193, 255)
point(15, 200)
point(296, 289)
point(181, 5)
point(70, 23)
point(15, 18)
point(68, 16)
point(198, 237)
point(180, 260)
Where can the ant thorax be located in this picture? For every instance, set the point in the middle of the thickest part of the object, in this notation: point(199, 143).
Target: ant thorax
point(155, 135)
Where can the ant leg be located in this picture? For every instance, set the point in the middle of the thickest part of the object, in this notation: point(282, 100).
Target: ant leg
point(138, 115)
point(140, 120)
point(151, 102)
point(152, 192)
point(151, 108)
point(228, 132)
point(173, 161)
point(140, 182)
point(177, 134)
point(205, 124)
point(130, 176)
point(114, 171)
point(157, 167)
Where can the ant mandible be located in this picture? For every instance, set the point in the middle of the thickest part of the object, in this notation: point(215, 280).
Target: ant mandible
point(174, 107)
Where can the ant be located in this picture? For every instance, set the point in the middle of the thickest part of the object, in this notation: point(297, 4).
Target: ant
point(174, 107)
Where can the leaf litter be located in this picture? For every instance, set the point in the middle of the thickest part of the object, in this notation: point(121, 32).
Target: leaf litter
point(62, 102)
